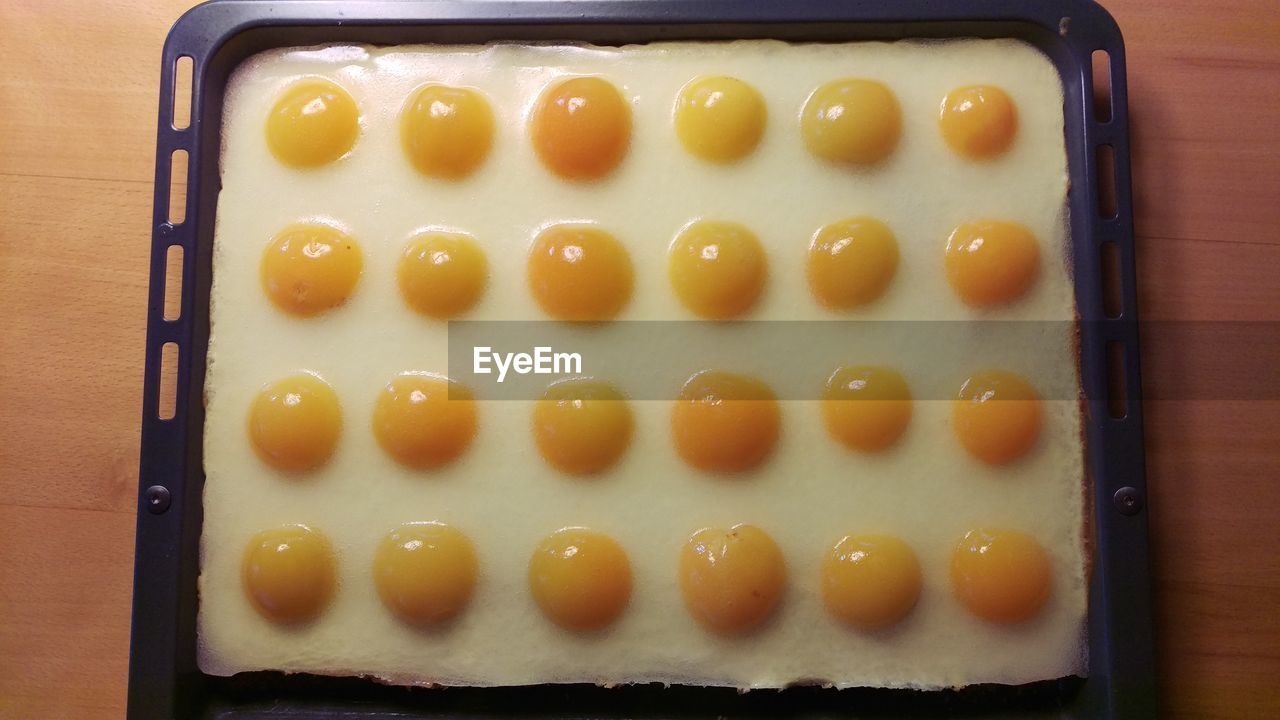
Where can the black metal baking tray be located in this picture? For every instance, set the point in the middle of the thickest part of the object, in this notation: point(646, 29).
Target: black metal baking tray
point(164, 680)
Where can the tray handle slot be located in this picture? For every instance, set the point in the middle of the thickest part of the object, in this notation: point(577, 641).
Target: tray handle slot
point(1102, 109)
point(167, 401)
point(1106, 164)
point(1117, 382)
point(173, 283)
point(1112, 297)
point(178, 163)
point(183, 69)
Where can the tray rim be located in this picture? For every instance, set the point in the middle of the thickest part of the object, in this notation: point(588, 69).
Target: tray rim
point(163, 676)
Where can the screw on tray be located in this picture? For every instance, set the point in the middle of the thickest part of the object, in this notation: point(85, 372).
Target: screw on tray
point(156, 499)
point(1128, 500)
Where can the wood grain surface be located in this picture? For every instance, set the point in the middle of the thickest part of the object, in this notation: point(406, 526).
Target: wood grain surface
point(78, 95)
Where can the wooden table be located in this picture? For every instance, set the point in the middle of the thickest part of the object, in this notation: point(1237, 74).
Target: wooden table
point(77, 129)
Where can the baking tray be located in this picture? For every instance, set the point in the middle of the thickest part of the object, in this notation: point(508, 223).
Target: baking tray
point(164, 680)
